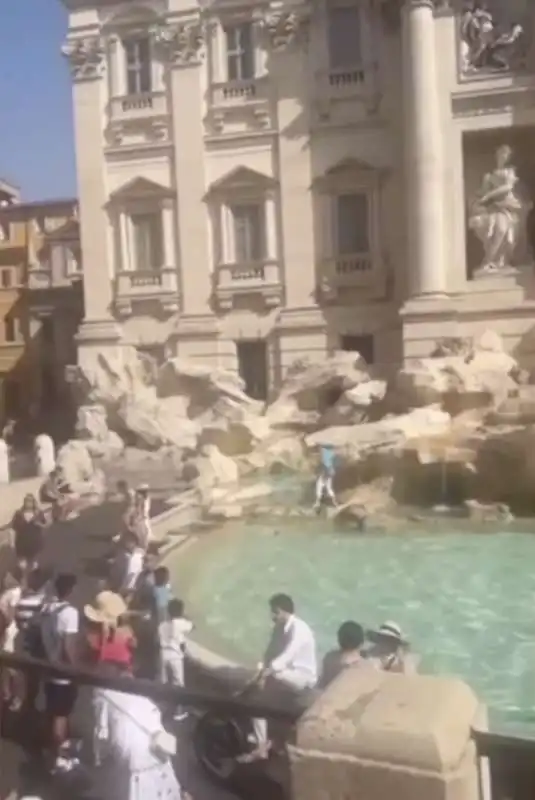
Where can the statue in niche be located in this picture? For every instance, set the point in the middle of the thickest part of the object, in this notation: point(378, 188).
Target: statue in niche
point(498, 214)
point(486, 45)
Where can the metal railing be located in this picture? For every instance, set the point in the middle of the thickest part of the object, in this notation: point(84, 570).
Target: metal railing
point(506, 765)
point(159, 693)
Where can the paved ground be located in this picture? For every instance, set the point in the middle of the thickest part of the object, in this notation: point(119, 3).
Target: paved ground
point(79, 547)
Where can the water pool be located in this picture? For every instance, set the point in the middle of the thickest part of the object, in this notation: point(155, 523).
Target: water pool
point(465, 600)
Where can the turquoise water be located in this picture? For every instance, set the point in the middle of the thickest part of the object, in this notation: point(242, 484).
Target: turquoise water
point(465, 600)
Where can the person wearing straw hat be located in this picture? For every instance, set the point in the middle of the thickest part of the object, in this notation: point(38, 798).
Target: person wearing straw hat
point(109, 640)
point(389, 650)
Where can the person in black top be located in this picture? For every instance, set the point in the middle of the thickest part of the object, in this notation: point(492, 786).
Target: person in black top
point(27, 526)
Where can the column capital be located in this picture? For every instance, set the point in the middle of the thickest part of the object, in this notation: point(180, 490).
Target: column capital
point(181, 42)
point(284, 28)
point(85, 55)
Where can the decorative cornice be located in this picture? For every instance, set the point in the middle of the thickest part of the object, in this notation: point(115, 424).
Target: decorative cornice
point(286, 28)
point(181, 42)
point(85, 56)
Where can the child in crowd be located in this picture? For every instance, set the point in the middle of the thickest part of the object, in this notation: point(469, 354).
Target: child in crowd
point(172, 634)
point(161, 592)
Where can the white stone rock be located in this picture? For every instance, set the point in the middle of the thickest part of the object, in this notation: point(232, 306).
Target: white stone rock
point(355, 404)
point(79, 470)
point(4, 462)
point(235, 438)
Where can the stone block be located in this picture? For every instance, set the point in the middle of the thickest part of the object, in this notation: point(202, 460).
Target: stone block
point(374, 735)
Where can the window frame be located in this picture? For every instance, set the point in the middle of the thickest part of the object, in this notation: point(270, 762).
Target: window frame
point(345, 8)
point(14, 330)
point(258, 248)
point(352, 192)
point(156, 246)
point(241, 53)
point(136, 68)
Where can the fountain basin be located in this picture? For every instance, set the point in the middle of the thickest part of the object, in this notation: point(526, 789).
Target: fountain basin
point(465, 599)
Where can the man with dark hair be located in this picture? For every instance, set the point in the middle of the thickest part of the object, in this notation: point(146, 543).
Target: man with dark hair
point(59, 630)
point(290, 661)
point(350, 641)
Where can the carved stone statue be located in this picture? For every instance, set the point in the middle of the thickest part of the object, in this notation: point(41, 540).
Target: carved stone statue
point(498, 213)
point(486, 45)
point(45, 455)
point(4, 462)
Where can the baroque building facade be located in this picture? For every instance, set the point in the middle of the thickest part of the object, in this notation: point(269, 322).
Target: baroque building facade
point(262, 182)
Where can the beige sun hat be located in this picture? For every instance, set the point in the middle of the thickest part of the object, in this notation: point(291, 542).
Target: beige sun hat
point(106, 609)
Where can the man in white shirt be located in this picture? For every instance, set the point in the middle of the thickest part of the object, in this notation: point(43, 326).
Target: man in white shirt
point(129, 566)
point(172, 634)
point(60, 625)
point(290, 661)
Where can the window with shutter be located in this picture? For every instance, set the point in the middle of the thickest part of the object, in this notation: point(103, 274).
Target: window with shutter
point(240, 52)
point(148, 241)
point(344, 37)
point(352, 224)
point(138, 65)
point(248, 233)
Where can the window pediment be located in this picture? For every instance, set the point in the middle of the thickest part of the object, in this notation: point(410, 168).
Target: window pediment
point(242, 179)
point(136, 16)
point(69, 231)
point(349, 172)
point(139, 189)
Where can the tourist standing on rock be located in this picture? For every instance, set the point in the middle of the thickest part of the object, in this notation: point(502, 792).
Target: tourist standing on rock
point(290, 663)
point(60, 625)
point(324, 482)
point(27, 528)
point(172, 633)
point(348, 655)
point(390, 650)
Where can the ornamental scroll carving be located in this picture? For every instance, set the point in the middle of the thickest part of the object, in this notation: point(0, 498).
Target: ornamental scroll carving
point(181, 42)
point(286, 28)
point(85, 56)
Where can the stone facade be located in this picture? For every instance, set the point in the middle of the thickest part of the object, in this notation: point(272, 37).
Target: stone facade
point(41, 254)
point(263, 182)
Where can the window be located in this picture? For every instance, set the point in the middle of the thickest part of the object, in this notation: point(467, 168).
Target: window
point(148, 241)
point(344, 32)
point(248, 233)
point(253, 367)
point(5, 232)
point(364, 345)
point(138, 66)
point(10, 329)
point(6, 278)
point(352, 224)
point(240, 52)
point(47, 330)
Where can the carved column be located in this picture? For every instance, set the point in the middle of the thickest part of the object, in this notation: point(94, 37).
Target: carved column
point(424, 156)
point(287, 39)
point(271, 228)
point(86, 57)
point(168, 225)
point(182, 50)
point(126, 260)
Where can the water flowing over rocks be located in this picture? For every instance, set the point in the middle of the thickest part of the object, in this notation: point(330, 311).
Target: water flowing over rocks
point(457, 427)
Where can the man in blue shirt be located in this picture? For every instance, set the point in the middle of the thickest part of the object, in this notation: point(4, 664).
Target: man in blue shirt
point(324, 483)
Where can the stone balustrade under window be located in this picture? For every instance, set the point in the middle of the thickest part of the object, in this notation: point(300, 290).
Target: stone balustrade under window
point(147, 285)
point(250, 278)
point(137, 106)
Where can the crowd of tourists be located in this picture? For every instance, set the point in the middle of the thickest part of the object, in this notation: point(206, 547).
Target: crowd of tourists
point(136, 627)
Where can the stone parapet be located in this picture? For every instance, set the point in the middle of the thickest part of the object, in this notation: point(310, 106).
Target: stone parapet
point(375, 735)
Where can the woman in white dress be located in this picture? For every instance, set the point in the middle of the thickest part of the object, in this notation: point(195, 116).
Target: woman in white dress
point(132, 748)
